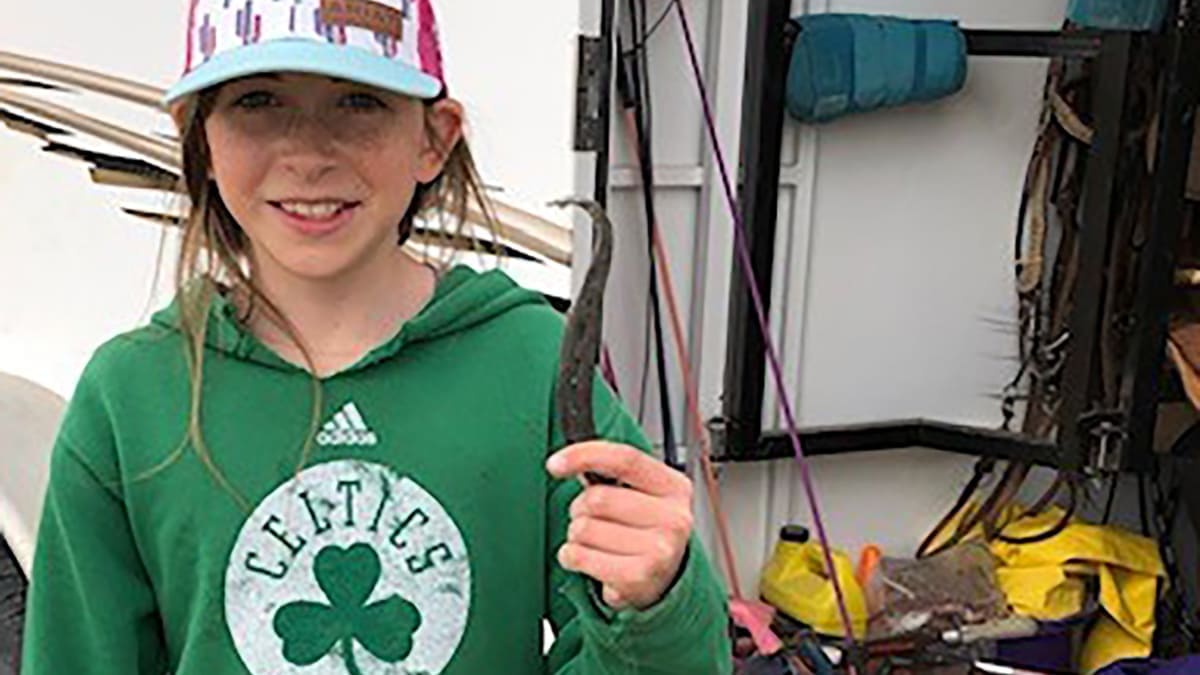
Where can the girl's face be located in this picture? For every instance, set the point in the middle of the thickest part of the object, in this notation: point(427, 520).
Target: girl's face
point(319, 172)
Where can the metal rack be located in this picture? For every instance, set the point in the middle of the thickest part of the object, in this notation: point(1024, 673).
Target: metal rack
point(1093, 438)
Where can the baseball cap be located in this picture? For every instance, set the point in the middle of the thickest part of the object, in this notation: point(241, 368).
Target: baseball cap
point(390, 44)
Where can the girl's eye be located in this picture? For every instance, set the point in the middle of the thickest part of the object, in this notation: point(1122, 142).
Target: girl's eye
point(362, 101)
point(255, 99)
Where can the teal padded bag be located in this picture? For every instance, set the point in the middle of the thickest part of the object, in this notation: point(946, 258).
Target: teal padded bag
point(852, 63)
point(1131, 15)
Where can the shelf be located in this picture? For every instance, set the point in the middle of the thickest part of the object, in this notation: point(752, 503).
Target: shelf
point(770, 33)
point(838, 440)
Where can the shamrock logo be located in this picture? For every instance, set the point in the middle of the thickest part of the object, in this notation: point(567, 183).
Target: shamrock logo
point(310, 630)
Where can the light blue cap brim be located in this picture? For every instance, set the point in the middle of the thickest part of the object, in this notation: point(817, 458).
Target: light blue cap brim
point(307, 56)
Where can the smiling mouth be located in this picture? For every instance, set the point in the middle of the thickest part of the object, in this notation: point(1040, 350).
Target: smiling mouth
point(315, 210)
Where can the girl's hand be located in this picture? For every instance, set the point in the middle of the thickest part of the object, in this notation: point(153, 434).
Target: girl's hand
point(631, 538)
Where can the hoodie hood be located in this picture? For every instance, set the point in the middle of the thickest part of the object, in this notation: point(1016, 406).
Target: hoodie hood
point(462, 299)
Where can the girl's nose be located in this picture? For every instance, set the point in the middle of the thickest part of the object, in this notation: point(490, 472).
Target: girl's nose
point(308, 166)
point(309, 130)
point(309, 146)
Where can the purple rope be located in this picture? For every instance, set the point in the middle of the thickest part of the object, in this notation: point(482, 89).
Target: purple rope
point(747, 266)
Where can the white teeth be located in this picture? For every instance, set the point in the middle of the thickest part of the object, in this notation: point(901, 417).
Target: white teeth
point(320, 210)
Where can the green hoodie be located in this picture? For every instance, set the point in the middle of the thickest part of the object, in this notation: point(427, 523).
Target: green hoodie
point(418, 538)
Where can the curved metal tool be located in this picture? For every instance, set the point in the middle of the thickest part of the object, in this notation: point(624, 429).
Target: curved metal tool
point(583, 336)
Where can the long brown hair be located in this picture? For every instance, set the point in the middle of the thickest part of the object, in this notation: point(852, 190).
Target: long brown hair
point(214, 258)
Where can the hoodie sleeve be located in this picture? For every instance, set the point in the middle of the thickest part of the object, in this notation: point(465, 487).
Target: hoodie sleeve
point(91, 609)
point(686, 632)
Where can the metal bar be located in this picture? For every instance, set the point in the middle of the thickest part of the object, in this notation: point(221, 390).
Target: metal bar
point(607, 21)
point(1096, 223)
point(129, 90)
point(162, 153)
point(1143, 365)
point(23, 83)
point(30, 126)
point(523, 228)
point(148, 175)
point(762, 149)
point(848, 439)
point(1070, 44)
point(589, 90)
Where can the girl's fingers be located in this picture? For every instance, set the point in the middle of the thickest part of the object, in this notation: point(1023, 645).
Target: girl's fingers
point(623, 463)
point(613, 598)
point(632, 508)
point(619, 571)
point(610, 537)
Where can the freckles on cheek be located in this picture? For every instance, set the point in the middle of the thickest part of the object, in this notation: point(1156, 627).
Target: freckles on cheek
point(237, 166)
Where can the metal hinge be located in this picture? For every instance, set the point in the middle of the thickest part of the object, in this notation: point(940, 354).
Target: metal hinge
point(589, 94)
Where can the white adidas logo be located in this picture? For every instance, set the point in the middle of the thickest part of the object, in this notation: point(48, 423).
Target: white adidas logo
point(347, 428)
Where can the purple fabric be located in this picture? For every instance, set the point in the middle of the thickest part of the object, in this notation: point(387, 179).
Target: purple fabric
point(1183, 666)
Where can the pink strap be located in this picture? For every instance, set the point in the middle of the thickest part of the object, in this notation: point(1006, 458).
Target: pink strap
point(756, 617)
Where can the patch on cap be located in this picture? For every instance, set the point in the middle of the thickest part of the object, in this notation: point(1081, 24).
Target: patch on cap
point(367, 14)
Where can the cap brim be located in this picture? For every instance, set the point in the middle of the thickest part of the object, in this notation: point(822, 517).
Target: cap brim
point(307, 56)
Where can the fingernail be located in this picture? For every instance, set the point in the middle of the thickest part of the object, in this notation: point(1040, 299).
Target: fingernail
point(556, 464)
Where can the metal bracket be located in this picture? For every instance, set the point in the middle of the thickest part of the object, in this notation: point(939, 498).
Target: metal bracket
point(1110, 449)
point(1109, 431)
point(589, 94)
point(718, 435)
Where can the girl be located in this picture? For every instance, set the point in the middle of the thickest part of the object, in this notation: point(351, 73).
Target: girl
point(326, 456)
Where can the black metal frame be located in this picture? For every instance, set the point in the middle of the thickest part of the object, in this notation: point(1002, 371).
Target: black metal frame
point(1075, 44)
point(739, 432)
point(762, 133)
point(1079, 382)
point(1141, 385)
point(919, 433)
point(608, 13)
